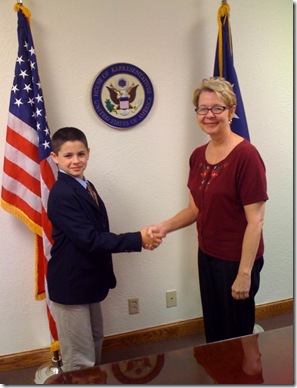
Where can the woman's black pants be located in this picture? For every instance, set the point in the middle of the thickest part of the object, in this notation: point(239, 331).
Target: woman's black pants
point(225, 317)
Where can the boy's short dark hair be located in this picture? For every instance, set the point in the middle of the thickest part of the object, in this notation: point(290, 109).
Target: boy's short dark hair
point(65, 134)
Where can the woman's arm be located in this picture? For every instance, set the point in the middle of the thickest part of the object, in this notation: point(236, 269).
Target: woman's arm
point(185, 217)
point(255, 220)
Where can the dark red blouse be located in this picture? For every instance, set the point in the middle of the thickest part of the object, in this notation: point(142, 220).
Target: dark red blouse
point(220, 192)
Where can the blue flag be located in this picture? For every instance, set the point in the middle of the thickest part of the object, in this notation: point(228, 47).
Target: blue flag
point(224, 67)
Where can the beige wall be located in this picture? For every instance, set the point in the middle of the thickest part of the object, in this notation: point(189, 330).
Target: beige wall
point(141, 173)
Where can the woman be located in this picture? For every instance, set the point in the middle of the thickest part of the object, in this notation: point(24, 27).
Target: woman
point(227, 194)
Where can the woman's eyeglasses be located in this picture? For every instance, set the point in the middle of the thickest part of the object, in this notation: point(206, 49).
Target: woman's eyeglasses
point(218, 109)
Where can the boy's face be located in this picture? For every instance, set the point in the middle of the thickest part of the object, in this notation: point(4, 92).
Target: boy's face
point(72, 158)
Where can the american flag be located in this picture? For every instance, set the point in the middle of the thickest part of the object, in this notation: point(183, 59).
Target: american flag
point(29, 172)
point(224, 67)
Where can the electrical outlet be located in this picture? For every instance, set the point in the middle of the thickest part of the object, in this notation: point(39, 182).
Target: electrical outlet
point(171, 298)
point(133, 304)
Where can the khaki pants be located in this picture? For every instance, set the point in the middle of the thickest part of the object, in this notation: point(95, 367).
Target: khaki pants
point(80, 334)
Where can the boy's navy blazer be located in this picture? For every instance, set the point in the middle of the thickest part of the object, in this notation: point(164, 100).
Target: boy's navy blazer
point(80, 270)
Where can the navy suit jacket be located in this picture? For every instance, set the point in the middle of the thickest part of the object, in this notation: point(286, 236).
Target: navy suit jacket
point(80, 270)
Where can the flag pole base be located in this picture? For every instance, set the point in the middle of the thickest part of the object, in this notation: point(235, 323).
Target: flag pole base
point(258, 329)
point(49, 369)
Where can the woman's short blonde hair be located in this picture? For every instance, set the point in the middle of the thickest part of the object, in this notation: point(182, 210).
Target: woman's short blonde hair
point(218, 85)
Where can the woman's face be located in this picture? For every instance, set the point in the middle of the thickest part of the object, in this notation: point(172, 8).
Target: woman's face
point(213, 123)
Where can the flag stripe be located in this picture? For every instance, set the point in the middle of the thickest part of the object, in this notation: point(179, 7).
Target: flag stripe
point(47, 235)
point(48, 176)
point(17, 172)
point(23, 129)
point(19, 142)
point(17, 157)
point(18, 195)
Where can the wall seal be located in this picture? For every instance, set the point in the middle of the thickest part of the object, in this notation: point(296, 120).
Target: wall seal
point(122, 95)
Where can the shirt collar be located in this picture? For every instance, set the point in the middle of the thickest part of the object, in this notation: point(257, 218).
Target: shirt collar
point(83, 182)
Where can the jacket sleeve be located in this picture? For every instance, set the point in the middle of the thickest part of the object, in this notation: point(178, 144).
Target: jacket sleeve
point(71, 219)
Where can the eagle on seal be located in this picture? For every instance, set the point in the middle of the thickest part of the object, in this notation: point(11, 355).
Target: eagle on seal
point(118, 97)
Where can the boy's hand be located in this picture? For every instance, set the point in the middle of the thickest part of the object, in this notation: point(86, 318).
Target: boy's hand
point(151, 237)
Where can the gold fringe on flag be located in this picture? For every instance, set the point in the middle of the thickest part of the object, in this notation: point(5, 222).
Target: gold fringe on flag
point(223, 12)
point(38, 295)
point(26, 11)
point(55, 346)
point(22, 216)
point(36, 229)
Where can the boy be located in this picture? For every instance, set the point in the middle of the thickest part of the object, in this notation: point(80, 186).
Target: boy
point(80, 271)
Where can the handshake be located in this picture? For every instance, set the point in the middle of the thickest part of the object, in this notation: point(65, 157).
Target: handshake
point(152, 236)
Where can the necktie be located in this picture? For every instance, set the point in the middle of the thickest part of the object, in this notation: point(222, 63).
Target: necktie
point(92, 193)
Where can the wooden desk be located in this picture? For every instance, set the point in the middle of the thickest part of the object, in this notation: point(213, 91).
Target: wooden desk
point(264, 358)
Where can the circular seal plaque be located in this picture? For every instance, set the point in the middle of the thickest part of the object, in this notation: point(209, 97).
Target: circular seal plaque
point(122, 95)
